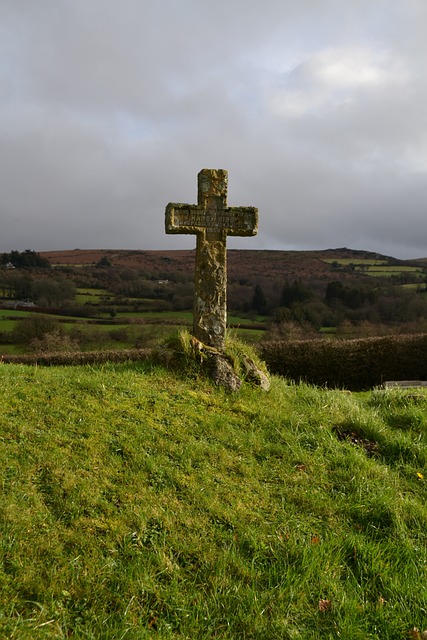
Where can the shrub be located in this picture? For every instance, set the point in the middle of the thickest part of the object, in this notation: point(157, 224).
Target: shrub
point(353, 364)
point(34, 327)
point(55, 342)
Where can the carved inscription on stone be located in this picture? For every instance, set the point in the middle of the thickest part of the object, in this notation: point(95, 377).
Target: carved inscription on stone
point(232, 221)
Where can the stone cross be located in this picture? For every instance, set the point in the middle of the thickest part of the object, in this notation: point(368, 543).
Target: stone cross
point(211, 220)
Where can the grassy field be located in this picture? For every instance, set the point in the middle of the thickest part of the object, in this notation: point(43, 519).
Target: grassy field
point(126, 329)
point(7, 313)
point(388, 271)
point(378, 268)
point(90, 296)
point(373, 265)
point(358, 262)
point(137, 503)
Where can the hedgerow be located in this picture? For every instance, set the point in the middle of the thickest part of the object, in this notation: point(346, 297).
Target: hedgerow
point(352, 364)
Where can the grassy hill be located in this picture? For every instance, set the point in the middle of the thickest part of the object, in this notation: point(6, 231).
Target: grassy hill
point(139, 504)
point(118, 299)
point(242, 263)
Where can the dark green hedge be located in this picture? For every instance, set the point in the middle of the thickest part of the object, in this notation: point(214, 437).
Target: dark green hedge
point(345, 364)
point(349, 364)
point(80, 357)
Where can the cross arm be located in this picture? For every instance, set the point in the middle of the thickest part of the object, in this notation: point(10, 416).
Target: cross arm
point(193, 219)
point(183, 218)
point(241, 221)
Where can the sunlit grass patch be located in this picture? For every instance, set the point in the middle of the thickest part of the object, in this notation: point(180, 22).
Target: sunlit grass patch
point(89, 295)
point(136, 503)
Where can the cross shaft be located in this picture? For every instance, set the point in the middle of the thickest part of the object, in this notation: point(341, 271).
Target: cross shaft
point(211, 220)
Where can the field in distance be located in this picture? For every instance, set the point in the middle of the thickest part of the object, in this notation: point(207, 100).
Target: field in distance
point(125, 298)
point(242, 262)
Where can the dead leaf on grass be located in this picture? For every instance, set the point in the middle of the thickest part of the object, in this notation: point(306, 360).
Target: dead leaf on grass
point(152, 622)
point(325, 605)
point(416, 634)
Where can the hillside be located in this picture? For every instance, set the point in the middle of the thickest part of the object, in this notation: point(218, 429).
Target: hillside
point(357, 293)
point(241, 263)
point(137, 504)
point(113, 299)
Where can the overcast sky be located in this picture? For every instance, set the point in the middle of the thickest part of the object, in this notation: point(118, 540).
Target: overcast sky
point(317, 109)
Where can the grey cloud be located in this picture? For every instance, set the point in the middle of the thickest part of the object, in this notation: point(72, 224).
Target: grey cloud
point(316, 108)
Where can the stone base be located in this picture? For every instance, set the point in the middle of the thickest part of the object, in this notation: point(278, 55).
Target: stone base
point(255, 375)
point(223, 373)
point(187, 353)
point(220, 369)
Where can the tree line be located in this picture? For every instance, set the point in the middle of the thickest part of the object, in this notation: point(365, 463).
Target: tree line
point(307, 302)
point(24, 260)
point(337, 302)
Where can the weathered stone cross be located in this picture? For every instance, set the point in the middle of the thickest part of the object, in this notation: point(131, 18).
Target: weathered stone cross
point(211, 221)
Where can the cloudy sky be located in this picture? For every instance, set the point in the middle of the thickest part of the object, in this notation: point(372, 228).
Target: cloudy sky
point(317, 109)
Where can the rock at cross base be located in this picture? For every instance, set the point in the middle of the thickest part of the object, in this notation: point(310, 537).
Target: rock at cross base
point(255, 375)
point(223, 374)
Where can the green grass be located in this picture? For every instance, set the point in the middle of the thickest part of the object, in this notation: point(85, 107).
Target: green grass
point(90, 296)
point(378, 268)
point(233, 318)
point(11, 349)
point(137, 503)
point(160, 315)
point(328, 330)
point(163, 325)
point(397, 269)
point(250, 335)
point(7, 325)
point(186, 316)
point(356, 261)
point(388, 271)
point(7, 313)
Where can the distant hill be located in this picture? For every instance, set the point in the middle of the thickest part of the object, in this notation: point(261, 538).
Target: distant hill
point(241, 263)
